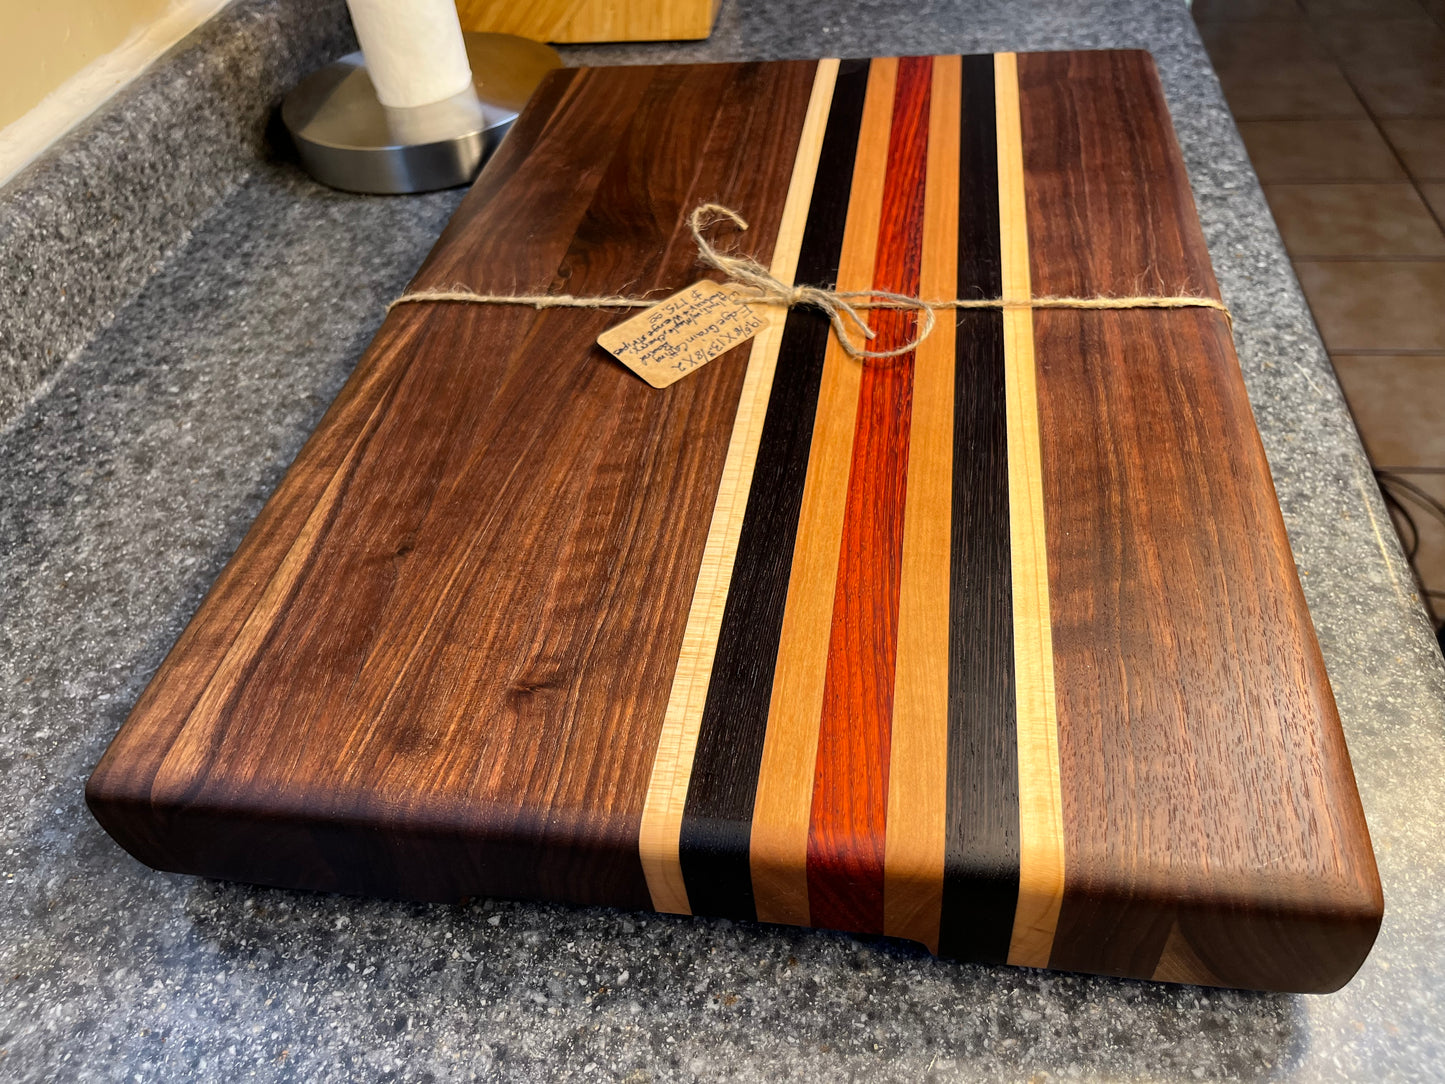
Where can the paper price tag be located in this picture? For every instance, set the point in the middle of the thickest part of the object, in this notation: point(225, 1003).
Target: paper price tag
point(674, 337)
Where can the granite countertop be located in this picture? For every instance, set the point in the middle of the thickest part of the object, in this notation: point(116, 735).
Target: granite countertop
point(177, 307)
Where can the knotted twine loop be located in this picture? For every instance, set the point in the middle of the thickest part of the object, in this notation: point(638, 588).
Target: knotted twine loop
point(765, 288)
point(760, 287)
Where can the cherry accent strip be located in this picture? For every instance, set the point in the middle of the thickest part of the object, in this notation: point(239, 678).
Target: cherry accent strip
point(850, 792)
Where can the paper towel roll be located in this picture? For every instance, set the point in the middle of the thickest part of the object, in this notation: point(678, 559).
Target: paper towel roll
point(414, 49)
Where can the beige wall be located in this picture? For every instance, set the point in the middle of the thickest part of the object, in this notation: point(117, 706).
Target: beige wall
point(45, 42)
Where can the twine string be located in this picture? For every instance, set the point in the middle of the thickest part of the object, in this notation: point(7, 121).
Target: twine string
point(763, 287)
point(842, 307)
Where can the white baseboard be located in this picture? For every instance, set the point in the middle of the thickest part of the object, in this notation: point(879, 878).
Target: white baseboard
point(22, 141)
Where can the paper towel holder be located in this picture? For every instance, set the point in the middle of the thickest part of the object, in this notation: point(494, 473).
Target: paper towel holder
point(347, 139)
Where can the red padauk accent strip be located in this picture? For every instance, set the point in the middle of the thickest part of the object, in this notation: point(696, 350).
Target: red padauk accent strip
point(850, 790)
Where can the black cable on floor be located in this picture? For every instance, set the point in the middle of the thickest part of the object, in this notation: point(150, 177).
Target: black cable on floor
point(1397, 490)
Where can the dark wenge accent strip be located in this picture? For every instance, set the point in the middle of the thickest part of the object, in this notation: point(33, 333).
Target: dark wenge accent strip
point(981, 861)
point(717, 820)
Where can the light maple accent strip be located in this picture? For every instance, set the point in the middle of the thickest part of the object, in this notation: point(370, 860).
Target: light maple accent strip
point(1041, 819)
point(778, 852)
point(918, 759)
point(661, 829)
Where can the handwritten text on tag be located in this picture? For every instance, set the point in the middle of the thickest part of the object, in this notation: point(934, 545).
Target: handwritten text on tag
point(666, 342)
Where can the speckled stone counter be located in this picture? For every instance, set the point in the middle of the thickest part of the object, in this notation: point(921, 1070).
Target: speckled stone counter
point(128, 480)
point(85, 226)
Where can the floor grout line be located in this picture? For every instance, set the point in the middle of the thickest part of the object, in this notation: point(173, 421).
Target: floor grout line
point(1404, 352)
point(1388, 353)
point(1312, 118)
point(1340, 184)
point(1345, 180)
point(1380, 128)
point(1309, 26)
point(1302, 258)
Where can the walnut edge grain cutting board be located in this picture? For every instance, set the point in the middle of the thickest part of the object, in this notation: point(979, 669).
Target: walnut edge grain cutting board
point(998, 646)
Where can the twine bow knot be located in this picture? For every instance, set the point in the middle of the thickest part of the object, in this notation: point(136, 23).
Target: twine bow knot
point(746, 272)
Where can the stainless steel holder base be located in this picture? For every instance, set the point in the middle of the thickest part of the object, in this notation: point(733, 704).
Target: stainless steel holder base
point(349, 140)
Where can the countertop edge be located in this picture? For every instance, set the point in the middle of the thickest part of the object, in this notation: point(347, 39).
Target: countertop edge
point(130, 182)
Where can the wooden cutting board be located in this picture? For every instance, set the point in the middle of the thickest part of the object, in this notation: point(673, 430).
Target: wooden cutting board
point(998, 646)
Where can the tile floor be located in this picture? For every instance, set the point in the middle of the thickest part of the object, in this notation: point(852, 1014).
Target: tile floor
point(1342, 106)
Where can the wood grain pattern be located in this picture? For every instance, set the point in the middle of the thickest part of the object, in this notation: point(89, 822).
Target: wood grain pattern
point(850, 780)
point(781, 814)
point(918, 762)
point(1041, 829)
point(1210, 814)
point(458, 460)
point(672, 765)
point(998, 646)
point(592, 20)
point(981, 857)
